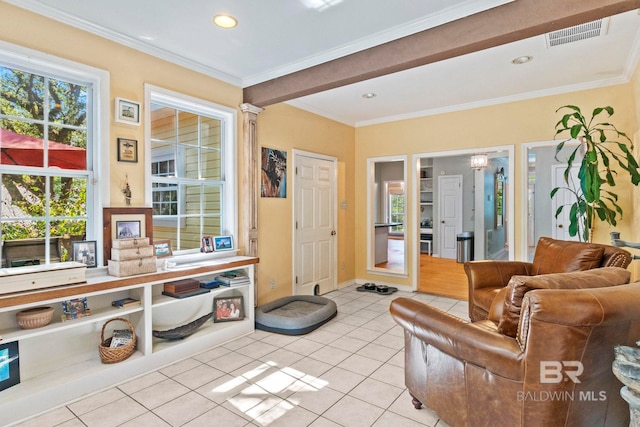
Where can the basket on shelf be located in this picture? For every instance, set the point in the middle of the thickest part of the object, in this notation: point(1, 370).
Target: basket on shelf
point(110, 354)
point(35, 317)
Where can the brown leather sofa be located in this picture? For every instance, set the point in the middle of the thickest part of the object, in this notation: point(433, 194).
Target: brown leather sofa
point(555, 371)
point(486, 278)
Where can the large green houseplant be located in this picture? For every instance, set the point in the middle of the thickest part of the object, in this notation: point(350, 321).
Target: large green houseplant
point(600, 144)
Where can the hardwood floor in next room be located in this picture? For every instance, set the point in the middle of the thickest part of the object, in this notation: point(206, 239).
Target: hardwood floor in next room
point(438, 276)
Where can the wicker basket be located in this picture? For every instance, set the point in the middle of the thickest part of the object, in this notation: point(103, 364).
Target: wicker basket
point(116, 354)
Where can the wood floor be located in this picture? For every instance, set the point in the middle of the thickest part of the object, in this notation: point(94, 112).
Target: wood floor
point(442, 276)
point(438, 276)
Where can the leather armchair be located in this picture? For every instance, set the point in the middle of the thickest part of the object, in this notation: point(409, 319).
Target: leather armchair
point(487, 277)
point(556, 371)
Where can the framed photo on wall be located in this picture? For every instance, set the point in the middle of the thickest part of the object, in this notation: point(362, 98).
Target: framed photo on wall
point(127, 150)
point(127, 112)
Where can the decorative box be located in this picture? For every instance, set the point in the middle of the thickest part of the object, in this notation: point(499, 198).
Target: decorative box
point(134, 242)
point(131, 253)
point(132, 267)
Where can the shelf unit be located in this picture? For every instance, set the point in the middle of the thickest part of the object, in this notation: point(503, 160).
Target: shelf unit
point(60, 362)
point(426, 206)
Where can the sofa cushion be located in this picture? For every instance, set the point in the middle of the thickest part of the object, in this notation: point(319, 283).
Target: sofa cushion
point(561, 256)
point(520, 285)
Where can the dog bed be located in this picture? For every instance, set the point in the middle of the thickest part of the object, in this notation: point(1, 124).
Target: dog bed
point(295, 315)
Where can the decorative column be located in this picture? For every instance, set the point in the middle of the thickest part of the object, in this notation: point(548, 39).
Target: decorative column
point(250, 187)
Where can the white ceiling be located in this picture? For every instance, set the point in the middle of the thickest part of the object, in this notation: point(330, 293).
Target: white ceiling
point(277, 37)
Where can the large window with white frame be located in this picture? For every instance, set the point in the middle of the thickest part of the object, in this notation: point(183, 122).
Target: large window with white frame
point(47, 134)
point(192, 168)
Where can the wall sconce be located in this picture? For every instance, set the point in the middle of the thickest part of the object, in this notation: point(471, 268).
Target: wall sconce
point(479, 161)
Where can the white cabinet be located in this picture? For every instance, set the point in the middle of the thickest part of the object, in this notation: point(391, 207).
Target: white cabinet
point(60, 362)
point(426, 205)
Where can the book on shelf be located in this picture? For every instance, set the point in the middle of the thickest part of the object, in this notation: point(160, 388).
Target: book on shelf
point(125, 302)
point(209, 284)
point(197, 291)
point(75, 308)
point(121, 337)
point(233, 278)
point(179, 286)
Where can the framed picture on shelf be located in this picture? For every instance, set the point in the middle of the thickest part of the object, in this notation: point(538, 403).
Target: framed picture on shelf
point(223, 243)
point(207, 244)
point(85, 252)
point(162, 248)
point(127, 229)
point(127, 112)
point(111, 216)
point(75, 308)
point(127, 150)
point(9, 365)
point(228, 309)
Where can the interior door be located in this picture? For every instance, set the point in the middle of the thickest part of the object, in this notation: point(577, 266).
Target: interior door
point(560, 229)
point(315, 225)
point(449, 214)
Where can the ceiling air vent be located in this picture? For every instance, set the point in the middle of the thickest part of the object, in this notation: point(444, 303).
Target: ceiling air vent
point(578, 32)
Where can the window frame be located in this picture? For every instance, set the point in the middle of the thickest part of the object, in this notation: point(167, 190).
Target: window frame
point(228, 117)
point(37, 62)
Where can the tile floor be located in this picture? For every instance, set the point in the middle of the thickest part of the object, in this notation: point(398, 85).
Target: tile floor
point(349, 373)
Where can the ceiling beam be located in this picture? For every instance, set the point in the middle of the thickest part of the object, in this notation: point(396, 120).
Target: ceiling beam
point(504, 24)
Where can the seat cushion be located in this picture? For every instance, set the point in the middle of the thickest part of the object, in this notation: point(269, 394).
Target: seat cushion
point(519, 285)
point(561, 256)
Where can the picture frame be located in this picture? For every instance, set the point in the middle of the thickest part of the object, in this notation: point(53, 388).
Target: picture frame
point(207, 244)
point(128, 229)
point(223, 243)
point(84, 251)
point(75, 308)
point(9, 365)
point(162, 248)
point(228, 309)
point(127, 111)
point(127, 150)
point(111, 215)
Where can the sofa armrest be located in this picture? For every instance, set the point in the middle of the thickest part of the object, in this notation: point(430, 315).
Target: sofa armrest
point(476, 343)
point(491, 274)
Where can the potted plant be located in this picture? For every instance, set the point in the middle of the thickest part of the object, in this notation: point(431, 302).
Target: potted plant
point(599, 144)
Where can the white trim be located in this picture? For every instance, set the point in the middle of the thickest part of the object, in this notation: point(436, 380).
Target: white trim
point(228, 116)
point(98, 150)
point(370, 230)
point(414, 219)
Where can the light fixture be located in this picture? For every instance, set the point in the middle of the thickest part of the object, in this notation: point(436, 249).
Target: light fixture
point(479, 161)
point(225, 21)
point(368, 95)
point(522, 60)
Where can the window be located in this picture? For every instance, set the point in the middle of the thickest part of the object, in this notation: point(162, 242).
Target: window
point(47, 127)
point(395, 196)
point(192, 168)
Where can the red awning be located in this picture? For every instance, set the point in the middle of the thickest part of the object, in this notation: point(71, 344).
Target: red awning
point(23, 150)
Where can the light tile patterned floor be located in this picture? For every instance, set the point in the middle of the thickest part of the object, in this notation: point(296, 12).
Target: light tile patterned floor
point(347, 373)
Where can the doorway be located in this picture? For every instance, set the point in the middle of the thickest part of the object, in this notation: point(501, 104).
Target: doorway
point(315, 223)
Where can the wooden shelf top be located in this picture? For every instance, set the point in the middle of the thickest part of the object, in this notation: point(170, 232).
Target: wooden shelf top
point(104, 282)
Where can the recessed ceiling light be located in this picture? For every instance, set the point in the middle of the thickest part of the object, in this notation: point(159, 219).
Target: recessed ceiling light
point(225, 21)
point(369, 95)
point(522, 60)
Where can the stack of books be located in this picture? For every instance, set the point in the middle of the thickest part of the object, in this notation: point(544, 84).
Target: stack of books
point(233, 278)
point(183, 288)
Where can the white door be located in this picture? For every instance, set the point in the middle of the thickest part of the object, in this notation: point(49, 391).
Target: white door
point(560, 228)
point(449, 214)
point(315, 247)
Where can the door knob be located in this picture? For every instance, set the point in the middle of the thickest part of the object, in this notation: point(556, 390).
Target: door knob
point(333, 232)
point(442, 222)
point(559, 225)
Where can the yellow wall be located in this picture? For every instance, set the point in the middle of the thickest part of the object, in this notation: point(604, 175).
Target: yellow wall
point(507, 124)
point(283, 127)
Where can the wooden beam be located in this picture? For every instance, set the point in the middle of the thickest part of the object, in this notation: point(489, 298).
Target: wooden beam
point(505, 24)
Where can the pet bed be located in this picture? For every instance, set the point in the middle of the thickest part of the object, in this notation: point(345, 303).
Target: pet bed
point(295, 315)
